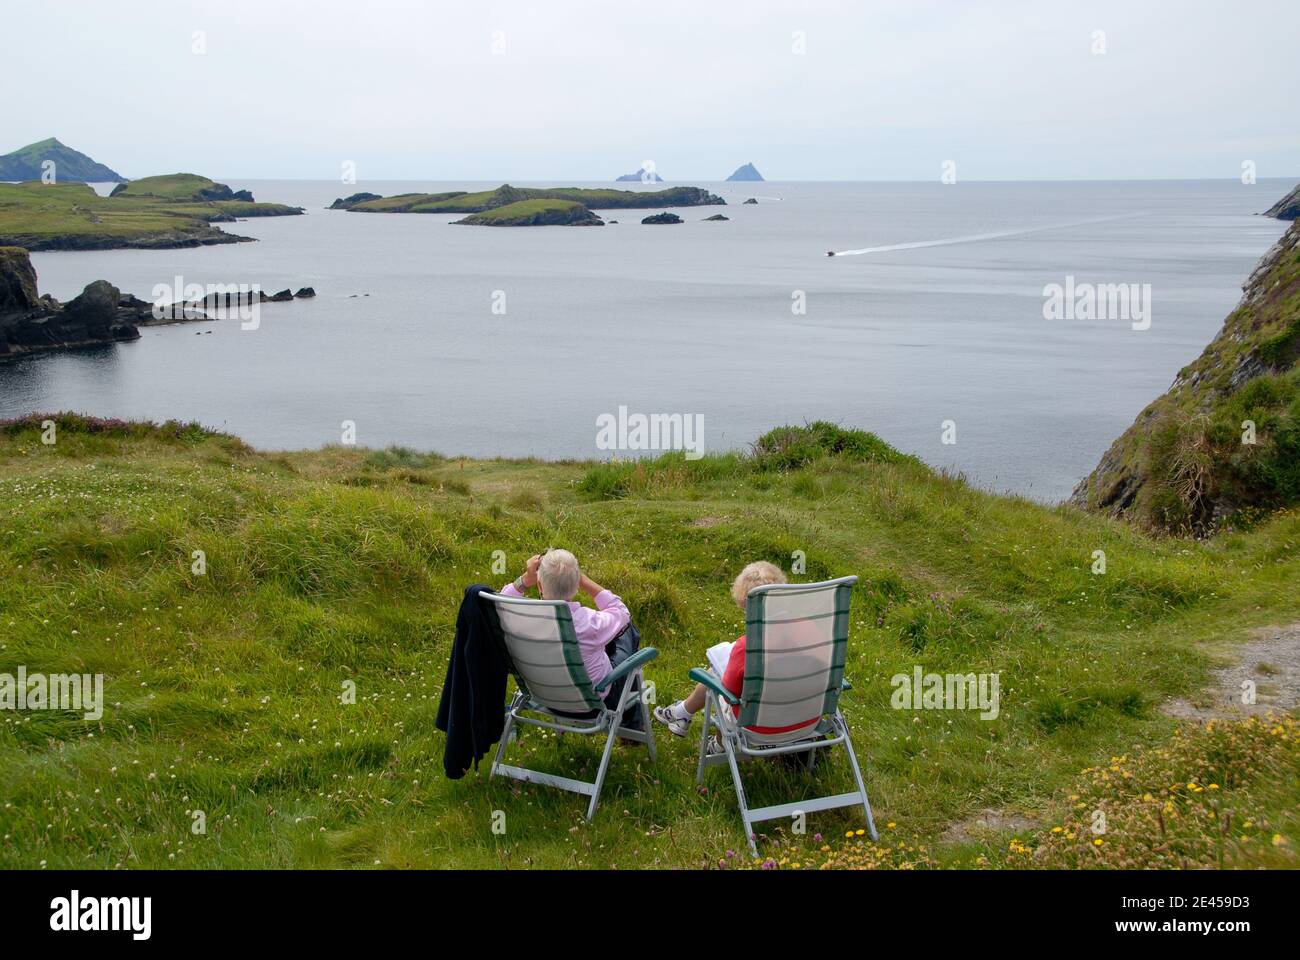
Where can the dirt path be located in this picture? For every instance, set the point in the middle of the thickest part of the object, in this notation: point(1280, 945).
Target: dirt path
point(1270, 661)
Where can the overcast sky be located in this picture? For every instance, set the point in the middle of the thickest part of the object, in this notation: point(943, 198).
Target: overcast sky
point(586, 90)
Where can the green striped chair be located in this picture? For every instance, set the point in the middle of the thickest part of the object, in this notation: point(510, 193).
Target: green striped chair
point(796, 641)
point(555, 691)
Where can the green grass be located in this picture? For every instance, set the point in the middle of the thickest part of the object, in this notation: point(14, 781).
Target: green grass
point(223, 690)
point(534, 212)
point(55, 216)
point(168, 186)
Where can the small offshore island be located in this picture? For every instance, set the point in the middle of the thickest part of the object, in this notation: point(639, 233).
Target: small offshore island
point(163, 212)
point(508, 206)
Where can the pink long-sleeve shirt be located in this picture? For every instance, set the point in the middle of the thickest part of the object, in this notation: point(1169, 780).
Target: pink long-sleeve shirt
point(594, 628)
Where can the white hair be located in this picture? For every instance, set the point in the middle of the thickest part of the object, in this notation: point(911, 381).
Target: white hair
point(559, 575)
point(757, 574)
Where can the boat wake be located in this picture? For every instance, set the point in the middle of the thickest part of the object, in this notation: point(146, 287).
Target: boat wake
point(976, 237)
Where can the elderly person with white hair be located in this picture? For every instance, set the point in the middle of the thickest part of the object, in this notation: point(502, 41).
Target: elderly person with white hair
point(603, 634)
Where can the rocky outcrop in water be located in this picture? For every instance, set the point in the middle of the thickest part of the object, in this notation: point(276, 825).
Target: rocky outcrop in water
point(663, 218)
point(101, 313)
point(29, 322)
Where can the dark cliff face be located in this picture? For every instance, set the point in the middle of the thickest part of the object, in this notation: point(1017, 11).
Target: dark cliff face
point(1288, 208)
point(17, 280)
point(1225, 438)
point(30, 323)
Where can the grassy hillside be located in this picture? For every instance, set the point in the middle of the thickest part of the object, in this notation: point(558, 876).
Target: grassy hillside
point(70, 166)
point(1192, 461)
point(171, 186)
point(72, 216)
point(223, 689)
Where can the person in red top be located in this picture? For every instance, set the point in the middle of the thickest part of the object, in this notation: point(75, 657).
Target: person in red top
point(677, 717)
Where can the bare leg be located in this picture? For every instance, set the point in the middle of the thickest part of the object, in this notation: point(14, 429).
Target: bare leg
point(695, 702)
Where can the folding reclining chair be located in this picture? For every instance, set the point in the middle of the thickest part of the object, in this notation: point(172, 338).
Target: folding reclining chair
point(555, 691)
point(796, 640)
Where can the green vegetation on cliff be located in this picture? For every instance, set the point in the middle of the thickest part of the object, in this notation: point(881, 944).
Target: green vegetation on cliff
point(222, 683)
point(1224, 441)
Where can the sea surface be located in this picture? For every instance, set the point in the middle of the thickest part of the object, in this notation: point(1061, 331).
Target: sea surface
point(512, 342)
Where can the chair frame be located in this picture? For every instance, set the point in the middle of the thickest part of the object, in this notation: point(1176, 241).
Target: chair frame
point(527, 710)
point(739, 743)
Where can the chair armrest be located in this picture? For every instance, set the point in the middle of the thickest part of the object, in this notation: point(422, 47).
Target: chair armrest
point(638, 659)
point(714, 684)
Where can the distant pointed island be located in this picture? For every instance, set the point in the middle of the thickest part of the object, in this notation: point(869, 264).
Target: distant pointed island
point(70, 166)
point(643, 175)
point(748, 172)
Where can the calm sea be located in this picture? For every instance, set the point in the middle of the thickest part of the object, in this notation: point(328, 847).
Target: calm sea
point(943, 324)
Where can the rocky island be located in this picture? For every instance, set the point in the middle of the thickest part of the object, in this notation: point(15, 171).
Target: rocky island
point(536, 213)
point(177, 210)
point(643, 175)
point(527, 206)
point(747, 173)
point(662, 218)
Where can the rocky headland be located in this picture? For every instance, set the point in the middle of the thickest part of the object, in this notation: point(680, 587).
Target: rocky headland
point(1224, 440)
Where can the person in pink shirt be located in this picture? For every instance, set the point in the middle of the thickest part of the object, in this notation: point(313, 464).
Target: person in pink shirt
point(560, 578)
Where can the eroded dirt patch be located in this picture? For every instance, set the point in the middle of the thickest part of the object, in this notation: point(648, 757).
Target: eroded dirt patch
point(986, 824)
point(1270, 661)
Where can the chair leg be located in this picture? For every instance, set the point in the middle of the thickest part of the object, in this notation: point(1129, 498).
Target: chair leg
point(740, 794)
point(704, 744)
point(604, 765)
point(857, 775)
point(505, 735)
point(647, 721)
